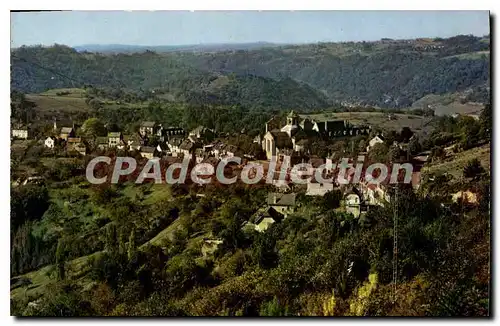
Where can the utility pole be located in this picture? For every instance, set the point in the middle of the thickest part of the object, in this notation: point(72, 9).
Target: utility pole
point(395, 247)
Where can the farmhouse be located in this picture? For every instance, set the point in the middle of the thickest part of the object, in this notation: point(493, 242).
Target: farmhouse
point(264, 218)
point(282, 203)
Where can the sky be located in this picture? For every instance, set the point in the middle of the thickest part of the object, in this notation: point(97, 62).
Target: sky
point(203, 27)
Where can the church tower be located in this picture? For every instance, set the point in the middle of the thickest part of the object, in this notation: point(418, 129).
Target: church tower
point(292, 124)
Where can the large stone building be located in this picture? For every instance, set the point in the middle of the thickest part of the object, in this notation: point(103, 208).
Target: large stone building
point(294, 135)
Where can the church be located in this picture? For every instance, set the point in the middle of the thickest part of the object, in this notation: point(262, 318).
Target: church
point(294, 136)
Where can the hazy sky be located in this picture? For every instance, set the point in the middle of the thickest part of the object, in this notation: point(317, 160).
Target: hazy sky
point(184, 27)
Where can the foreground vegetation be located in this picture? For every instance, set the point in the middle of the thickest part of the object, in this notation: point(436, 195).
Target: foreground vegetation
point(138, 250)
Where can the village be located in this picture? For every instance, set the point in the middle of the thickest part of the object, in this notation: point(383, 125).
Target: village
point(292, 141)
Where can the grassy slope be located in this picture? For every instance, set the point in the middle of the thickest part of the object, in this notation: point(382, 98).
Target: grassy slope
point(378, 119)
point(455, 164)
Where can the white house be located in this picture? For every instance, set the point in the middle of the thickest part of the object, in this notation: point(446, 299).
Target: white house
point(353, 204)
point(50, 142)
point(378, 139)
point(21, 133)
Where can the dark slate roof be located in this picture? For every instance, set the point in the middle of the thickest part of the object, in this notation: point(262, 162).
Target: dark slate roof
point(147, 149)
point(281, 139)
point(114, 134)
point(211, 160)
point(175, 141)
point(102, 140)
point(268, 212)
point(148, 124)
point(186, 145)
point(74, 140)
point(231, 148)
point(66, 130)
point(281, 199)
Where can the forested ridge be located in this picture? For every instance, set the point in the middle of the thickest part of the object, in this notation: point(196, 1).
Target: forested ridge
point(310, 76)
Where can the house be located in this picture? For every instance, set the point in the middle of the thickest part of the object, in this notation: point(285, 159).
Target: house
point(318, 189)
point(164, 133)
point(173, 144)
point(265, 217)
point(217, 149)
point(374, 194)
point(276, 141)
point(67, 132)
point(133, 142)
point(72, 141)
point(187, 147)
point(378, 139)
point(20, 132)
point(353, 201)
point(147, 128)
point(162, 148)
point(466, 197)
point(102, 143)
point(50, 142)
point(114, 138)
point(282, 203)
point(202, 133)
point(231, 151)
point(148, 152)
point(33, 180)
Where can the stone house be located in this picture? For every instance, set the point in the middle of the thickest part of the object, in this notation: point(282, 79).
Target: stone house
point(164, 133)
point(202, 133)
point(148, 152)
point(263, 219)
point(282, 203)
point(187, 147)
point(318, 189)
point(173, 144)
point(20, 132)
point(114, 138)
point(147, 128)
point(75, 144)
point(67, 132)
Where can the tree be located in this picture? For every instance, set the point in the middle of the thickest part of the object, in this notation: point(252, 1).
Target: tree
point(61, 259)
point(94, 127)
point(486, 122)
point(394, 153)
point(437, 153)
point(406, 134)
point(414, 146)
point(131, 245)
point(378, 153)
point(473, 169)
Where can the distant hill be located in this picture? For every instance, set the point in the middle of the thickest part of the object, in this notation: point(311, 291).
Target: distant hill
point(387, 73)
point(124, 48)
point(249, 91)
